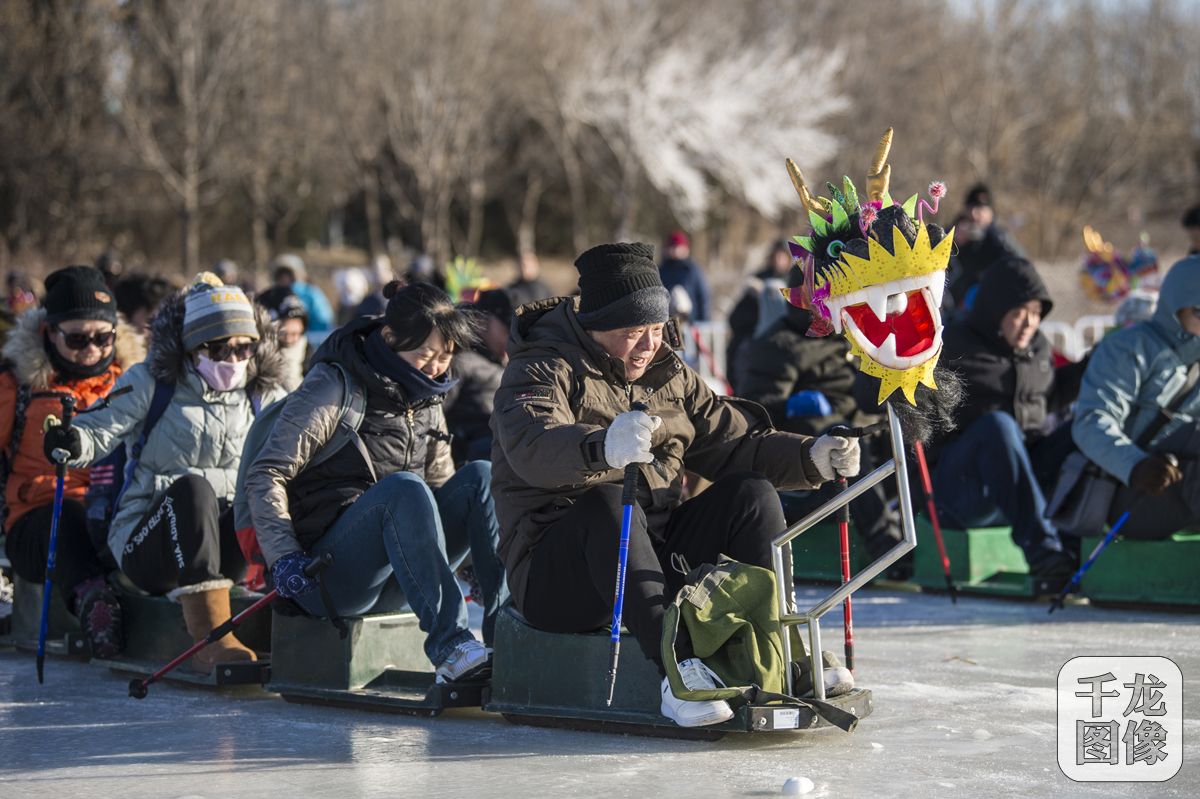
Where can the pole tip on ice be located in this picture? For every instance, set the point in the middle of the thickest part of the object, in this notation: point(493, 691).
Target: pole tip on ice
point(138, 688)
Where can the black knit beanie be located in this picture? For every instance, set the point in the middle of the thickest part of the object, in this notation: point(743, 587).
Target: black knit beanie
point(619, 287)
point(78, 292)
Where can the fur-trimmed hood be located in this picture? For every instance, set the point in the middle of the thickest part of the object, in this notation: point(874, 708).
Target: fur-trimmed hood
point(167, 359)
point(30, 363)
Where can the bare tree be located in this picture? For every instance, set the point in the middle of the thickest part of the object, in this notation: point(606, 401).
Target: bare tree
point(181, 65)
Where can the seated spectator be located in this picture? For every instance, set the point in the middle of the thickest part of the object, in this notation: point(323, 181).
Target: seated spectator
point(1132, 375)
point(109, 264)
point(528, 287)
point(478, 371)
point(291, 276)
point(679, 272)
point(760, 305)
point(807, 386)
point(564, 438)
point(997, 465)
point(172, 532)
point(227, 271)
point(138, 297)
point(291, 328)
point(1191, 226)
point(382, 275)
point(72, 345)
point(980, 242)
point(389, 507)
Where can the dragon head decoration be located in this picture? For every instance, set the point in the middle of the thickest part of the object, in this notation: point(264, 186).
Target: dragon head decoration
point(875, 272)
point(1108, 276)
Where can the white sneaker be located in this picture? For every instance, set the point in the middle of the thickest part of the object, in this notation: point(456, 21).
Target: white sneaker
point(697, 677)
point(838, 680)
point(469, 660)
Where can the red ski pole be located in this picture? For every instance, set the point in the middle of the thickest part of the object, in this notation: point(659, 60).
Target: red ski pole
point(138, 689)
point(927, 485)
point(843, 519)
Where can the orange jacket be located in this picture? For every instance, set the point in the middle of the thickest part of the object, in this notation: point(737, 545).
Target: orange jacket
point(31, 479)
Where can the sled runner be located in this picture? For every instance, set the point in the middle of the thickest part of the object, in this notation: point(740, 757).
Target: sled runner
point(155, 633)
point(379, 665)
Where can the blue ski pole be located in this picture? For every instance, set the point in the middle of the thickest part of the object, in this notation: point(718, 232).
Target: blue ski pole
point(60, 474)
point(628, 499)
point(1057, 602)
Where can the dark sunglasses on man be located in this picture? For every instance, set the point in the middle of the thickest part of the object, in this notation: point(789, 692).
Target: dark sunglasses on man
point(80, 341)
point(223, 350)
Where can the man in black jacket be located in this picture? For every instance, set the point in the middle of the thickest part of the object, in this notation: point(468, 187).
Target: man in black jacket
point(980, 242)
point(988, 470)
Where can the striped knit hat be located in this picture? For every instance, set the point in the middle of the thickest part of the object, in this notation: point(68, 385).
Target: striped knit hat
point(213, 311)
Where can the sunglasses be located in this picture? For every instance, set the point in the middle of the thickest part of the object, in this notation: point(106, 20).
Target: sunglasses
point(80, 341)
point(223, 350)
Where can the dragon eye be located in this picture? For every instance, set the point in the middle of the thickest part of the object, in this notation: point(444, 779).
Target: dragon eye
point(834, 249)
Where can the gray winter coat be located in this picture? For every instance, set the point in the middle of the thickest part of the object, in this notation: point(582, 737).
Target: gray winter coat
point(1136, 371)
point(200, 433)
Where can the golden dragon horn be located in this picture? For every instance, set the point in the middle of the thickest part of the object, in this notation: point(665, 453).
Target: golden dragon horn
point(811, 203)
point(880, 173)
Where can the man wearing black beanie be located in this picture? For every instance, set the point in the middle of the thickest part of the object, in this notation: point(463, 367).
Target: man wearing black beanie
point(564, 432)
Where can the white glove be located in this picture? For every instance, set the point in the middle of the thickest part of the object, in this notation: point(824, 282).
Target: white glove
point(835, 456)
point(628, 439)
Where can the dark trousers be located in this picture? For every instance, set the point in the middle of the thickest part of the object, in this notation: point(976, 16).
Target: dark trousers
point(183, 540)
point(987, 476)
point(1177, 508)
point(75, 559)
point(573, 571)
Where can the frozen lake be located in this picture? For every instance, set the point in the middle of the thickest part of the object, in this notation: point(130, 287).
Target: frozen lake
point(965, 705)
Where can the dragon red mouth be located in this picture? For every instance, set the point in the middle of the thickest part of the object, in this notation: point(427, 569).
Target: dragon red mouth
point(914, 326)
point(897, 324)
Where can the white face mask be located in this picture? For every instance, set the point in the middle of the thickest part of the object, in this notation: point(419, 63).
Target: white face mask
point(222, 375)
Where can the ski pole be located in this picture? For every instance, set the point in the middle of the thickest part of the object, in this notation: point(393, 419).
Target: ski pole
point(1057, 602)
point(931, 506)
point(843, 520)
point(628, 500)
point(139, 688)
point(60, 478)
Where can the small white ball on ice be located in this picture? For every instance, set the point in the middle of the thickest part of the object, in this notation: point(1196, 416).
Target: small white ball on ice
point(797, 786)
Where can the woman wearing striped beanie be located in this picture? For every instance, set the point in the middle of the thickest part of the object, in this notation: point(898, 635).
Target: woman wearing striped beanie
point(212, 364)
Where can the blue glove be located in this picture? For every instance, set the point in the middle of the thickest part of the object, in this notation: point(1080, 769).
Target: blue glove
point(808, 403)
point(288, 573)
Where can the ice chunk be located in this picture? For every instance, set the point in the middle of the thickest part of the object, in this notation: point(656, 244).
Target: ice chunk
point(797, 786)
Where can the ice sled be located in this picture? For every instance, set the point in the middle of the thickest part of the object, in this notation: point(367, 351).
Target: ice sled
point(155, 633)
point(379, 665)
point(558, 680)
point(63, 635)
point(1159, 573)
point(983, 560)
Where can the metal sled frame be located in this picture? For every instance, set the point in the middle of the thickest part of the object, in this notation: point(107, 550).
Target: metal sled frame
point(781, 554)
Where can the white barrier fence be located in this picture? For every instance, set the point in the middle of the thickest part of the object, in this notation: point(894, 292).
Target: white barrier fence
point(705, 342)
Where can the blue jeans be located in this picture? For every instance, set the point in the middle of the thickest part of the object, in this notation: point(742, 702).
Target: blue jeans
point(402, 528)
point(985, 478)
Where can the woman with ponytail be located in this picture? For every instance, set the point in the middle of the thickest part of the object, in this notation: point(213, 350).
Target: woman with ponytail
point(391, 510)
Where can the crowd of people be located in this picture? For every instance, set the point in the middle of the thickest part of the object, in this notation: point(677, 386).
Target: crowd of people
point(427, 429)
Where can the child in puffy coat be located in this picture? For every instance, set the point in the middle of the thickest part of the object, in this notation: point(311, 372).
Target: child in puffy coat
point(172, 532)
point(73, 345)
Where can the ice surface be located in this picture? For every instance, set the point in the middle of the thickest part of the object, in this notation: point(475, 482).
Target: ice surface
point(942, 674)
